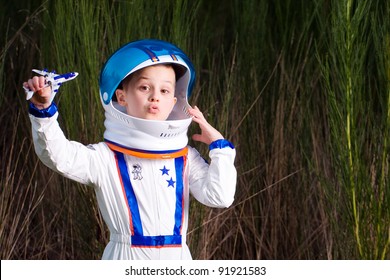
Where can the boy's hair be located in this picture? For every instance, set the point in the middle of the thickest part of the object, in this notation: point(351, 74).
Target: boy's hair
point(179, 72)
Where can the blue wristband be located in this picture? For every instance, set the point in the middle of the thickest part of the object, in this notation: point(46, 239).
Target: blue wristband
point(44, 113)
point(220, 144)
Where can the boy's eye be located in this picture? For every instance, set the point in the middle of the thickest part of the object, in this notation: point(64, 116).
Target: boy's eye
point(144, 88)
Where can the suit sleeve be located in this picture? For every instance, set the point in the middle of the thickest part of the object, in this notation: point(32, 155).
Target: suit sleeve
point(213, 184)
point(69, 158)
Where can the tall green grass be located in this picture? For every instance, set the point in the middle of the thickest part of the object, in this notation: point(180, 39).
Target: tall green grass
point(358, 121)
point(300, 87)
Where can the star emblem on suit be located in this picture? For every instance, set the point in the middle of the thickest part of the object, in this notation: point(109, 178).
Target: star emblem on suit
point(171, 183)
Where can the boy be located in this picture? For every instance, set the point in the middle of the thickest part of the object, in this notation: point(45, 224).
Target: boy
point(144, 171)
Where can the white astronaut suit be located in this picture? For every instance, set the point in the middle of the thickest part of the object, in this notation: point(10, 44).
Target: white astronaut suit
point(144, 171)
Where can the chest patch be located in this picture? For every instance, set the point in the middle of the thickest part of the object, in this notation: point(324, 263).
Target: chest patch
point(137, 171)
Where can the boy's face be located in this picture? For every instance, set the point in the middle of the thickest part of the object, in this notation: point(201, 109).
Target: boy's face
point(150, 93)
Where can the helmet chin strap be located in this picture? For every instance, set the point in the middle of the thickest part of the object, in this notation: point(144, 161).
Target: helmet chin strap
point(140, 134)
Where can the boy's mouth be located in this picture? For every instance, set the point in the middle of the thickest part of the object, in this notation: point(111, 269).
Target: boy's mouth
point(153, 109)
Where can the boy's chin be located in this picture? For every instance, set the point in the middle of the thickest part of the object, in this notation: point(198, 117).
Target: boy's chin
point(154, 117)
point(147, 116)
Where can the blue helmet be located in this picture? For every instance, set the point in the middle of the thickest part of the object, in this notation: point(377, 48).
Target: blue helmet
point(139, 54)
point(144, 134)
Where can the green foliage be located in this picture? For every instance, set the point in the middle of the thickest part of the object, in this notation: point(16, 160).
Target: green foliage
point(358, 131)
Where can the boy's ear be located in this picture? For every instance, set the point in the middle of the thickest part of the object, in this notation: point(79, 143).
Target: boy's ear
point(120, 96)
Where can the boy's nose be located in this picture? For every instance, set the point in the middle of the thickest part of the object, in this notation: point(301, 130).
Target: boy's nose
point(154, 97)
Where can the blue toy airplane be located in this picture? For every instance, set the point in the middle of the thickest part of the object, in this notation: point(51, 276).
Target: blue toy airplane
point(52, 79)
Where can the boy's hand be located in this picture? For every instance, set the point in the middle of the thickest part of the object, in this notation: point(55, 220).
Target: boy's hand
point(42, 92)
point(208, 133)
